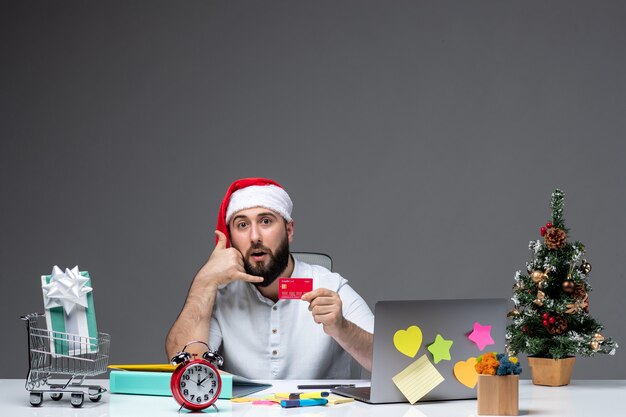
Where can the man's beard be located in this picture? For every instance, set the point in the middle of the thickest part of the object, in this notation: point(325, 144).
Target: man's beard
point(275, 266)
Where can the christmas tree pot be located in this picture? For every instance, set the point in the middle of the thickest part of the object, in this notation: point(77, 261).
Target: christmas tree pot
point(551, 372)
point(498, 395)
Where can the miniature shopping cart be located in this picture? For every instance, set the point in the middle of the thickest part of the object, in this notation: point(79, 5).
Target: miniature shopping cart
point(60, 362)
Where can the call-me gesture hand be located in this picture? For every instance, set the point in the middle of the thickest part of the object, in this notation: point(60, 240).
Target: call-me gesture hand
point(224, 266)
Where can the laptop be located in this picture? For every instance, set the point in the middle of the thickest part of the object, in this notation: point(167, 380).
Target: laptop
point(453, 320)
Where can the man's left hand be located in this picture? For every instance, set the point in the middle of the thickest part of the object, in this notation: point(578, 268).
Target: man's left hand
point(326, 308)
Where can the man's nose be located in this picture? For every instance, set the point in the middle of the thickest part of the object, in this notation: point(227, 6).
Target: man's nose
point(255, 233)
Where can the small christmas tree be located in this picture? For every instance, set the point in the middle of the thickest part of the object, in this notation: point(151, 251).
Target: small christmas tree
point(551, 317)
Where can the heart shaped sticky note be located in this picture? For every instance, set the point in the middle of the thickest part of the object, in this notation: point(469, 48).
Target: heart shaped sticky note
point(465, 372)
point(408, 341)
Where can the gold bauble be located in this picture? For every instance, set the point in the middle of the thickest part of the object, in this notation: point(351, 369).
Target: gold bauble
point(540, 297)
point(538, 276)
point(585, 267)
point(513, 313)
point(595, 345)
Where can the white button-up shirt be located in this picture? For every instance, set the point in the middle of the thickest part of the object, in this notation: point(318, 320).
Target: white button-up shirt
point(260, 339)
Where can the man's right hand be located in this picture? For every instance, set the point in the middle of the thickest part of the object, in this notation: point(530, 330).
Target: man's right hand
point(224, 266)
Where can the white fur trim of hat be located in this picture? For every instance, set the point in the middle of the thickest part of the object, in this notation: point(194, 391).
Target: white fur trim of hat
point(267, 196)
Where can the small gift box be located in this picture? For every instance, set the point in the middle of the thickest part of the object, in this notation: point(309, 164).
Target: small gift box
point(70, 313)
point(498, 385)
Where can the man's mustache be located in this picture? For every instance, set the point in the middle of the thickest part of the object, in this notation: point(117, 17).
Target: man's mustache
point(258, 248)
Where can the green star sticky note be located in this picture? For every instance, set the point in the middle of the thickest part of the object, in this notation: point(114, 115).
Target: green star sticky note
point(440, 349)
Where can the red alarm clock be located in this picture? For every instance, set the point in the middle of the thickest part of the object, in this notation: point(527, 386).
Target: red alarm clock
point(196, 384)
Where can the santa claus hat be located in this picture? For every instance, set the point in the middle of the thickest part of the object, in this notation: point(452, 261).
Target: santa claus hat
point(253, 192)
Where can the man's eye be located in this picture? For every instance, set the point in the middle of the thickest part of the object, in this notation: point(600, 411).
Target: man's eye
point(241, 225)
point(266, 221)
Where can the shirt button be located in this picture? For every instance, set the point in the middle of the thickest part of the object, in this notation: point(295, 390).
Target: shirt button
point(274, 352)
point(274, 331)
point(274, 308)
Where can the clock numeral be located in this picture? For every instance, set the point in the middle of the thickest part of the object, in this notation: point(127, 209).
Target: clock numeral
point(192, 396)
point(211, 391)
point(186, 392)
point(186, 377)
point(213, 383)
point(210, 374)
point(198, 368)
point(206, 397)
point(183, 384)
point(199, 399)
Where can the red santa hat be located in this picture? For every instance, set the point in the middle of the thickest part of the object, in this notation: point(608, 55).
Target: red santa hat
point(252, 192)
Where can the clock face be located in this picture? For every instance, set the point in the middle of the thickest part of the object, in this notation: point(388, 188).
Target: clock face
point(199, 384)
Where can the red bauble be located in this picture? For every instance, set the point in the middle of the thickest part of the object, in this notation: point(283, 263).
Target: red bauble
point(551, 320)
point(543, 231)
point(549, 225)
point(545, 316)
point(545, 323)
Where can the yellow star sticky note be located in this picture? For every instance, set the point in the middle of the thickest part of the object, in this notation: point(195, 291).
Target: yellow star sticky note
point(417, 379)
point(440, 349)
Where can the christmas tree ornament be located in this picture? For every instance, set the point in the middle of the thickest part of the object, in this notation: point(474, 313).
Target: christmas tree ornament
point(541, 296)
point(555, 238)
point(577, 306)
point(556, 325)
point(579, 291)
point(543, 231)
point(549, 225)
point(513, 313)
point(568, 286)
point(538, 276)
point(596, 340)
point(585, 267)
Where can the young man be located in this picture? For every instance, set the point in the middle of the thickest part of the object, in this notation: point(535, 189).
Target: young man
point(233, 302)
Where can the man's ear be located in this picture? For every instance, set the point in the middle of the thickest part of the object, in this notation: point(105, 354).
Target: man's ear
point(289, 226)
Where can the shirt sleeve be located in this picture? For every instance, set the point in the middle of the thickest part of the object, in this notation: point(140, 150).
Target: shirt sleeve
point(356, 309)
point(215, 334)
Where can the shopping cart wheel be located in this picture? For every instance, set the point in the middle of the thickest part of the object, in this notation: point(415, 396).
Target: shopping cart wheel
point(36, 398)
point(95, 398)
point(56, 396)
point(77, 399)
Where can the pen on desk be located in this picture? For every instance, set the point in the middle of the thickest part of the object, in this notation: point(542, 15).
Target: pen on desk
point(299, 395)
point(303, 403)
point(325, 386)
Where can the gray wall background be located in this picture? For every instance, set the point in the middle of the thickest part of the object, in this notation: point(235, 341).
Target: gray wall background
point(419, 140)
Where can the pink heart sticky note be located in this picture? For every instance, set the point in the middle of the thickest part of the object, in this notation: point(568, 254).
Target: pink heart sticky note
point(481, 335)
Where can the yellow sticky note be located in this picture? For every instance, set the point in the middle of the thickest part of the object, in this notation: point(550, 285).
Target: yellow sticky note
point(418, 379)
point(338, 399)
point(408, 341)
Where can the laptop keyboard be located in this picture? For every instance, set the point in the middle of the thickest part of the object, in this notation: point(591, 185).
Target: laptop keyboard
point(361, 392)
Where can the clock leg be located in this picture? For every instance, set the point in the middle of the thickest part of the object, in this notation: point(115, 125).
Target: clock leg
point(216, 409)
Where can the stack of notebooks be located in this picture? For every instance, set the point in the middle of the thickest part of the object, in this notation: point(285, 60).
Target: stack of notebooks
point(155, 380)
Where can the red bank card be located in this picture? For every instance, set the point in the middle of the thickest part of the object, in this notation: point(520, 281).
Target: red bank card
point(294, 288)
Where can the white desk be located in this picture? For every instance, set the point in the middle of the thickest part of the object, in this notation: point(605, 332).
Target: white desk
point(580, 398)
